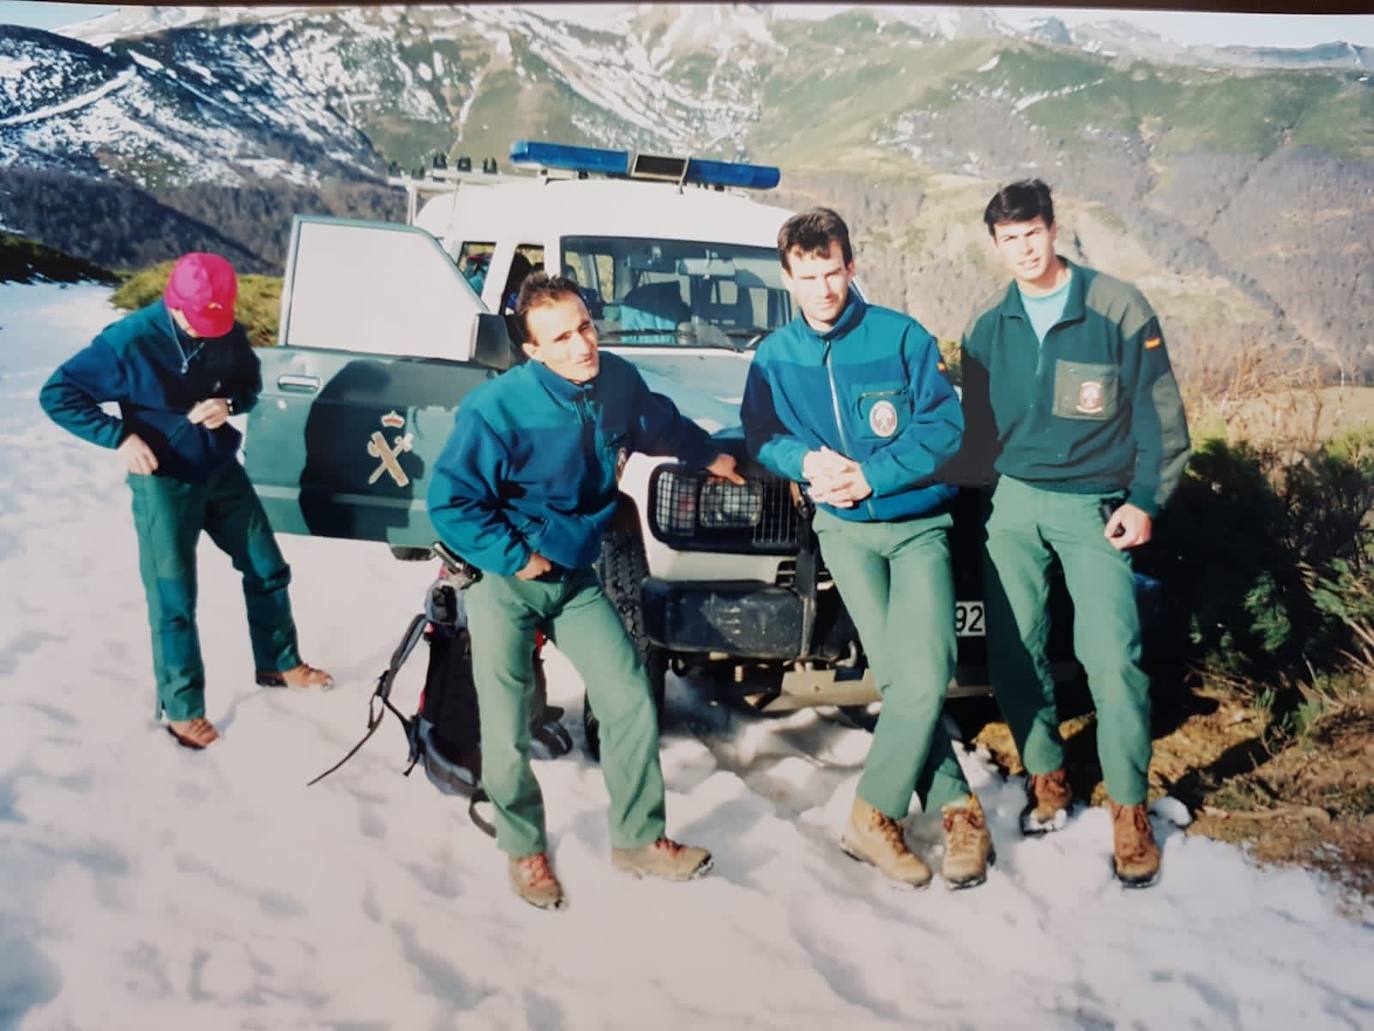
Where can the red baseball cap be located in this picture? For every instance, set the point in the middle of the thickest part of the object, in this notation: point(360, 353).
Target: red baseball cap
point(203, 287)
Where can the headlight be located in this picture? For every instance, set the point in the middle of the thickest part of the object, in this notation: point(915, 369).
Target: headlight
point(691, 510)
point(730, 504)
point(675, 502)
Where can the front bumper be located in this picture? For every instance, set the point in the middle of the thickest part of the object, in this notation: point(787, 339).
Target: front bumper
point(746, 619)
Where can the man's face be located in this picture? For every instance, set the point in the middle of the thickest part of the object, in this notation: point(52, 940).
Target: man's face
point(819, 284)
point(562, 337)
point(1027, 251)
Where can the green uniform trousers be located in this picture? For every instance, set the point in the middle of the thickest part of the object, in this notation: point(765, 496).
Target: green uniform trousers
point(169, 515)
point(1026, 527)
point(897, 585)
point(574, 612)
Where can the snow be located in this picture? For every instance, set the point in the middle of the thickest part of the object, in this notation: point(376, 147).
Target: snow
point(84, 100)
point(13, 67)
point(149, 887)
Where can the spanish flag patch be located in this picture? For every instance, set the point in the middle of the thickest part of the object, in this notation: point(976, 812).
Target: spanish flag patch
point(1152, 343)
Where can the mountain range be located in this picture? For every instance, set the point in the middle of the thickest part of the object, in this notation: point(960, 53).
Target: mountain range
point(1236, 185)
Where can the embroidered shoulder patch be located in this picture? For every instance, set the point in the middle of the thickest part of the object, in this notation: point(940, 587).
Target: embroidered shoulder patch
point(1152, 343)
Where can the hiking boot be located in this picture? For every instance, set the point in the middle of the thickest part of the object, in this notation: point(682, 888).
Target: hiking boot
point(302, 678)
point(533, 880)
point(1048, 798)
point(968, 845)
point(874, 837)
point(663, 858)
point(1135, 856)
point(193, 734)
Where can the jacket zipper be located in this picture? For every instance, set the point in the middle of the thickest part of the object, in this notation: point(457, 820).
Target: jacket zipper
point(839, 419)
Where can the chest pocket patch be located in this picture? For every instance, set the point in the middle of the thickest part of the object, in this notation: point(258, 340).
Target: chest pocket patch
point(1085, 390)
point(883, 411)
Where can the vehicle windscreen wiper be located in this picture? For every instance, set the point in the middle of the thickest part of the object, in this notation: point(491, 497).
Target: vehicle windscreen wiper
point(689, 334)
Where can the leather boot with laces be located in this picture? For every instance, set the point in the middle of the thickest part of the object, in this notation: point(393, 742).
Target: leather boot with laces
point(968, 845)
point(533, 880)
point(874, 837)
point(1135, 855)
point(663, 858)
point(1048, 798)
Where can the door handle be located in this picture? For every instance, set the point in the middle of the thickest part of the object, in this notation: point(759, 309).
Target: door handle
point(298, 384)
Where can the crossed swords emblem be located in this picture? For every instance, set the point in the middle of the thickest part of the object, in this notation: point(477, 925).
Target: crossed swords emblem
point(377, 447)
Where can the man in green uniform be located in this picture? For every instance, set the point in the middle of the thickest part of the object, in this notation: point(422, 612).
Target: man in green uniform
point(178, 368)
point(524, 489)
point(1068, 368)
point(852, 400)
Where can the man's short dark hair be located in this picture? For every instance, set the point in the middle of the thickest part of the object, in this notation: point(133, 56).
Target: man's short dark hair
point(540, 289)
point(811, 232)
point(1023, 201)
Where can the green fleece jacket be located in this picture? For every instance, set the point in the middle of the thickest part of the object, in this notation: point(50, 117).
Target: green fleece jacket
point(1094, 409)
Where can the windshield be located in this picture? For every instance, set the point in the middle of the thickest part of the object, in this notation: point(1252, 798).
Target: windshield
point(678, 293)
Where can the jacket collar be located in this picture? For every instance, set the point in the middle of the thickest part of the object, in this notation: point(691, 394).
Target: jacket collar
point(1074, 308)
point(562, 389)
point(850, 317)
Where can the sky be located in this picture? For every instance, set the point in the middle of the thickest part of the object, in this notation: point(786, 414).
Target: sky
point(1181, 26)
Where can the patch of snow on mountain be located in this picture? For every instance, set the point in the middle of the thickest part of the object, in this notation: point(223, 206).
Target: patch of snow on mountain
point(76, 103)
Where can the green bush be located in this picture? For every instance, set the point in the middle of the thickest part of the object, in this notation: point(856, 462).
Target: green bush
point(1253, 550)
point(259, 303)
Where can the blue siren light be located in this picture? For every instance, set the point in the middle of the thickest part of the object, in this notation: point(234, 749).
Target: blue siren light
point(628, 165)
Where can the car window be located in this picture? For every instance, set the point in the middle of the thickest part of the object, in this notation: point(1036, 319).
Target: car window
point(665, 293)
point(474, 259)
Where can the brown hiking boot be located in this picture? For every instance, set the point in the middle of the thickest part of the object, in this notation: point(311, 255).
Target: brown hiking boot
point(533, 880)
point(874, 837)
point(1048, 798)
point(1135, 856)
point(968, 845)
point(304, 677)
point(663, 858)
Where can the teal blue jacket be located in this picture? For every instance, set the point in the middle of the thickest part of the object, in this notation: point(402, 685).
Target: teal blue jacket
point(531, 464)
point(1095, 409)
point(157, 374)
point(873, 388)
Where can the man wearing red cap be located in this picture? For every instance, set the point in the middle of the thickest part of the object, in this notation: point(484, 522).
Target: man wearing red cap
point(179, 368)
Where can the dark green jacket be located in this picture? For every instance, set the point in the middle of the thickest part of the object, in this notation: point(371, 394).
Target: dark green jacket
point(1095, 409)
point(157, 375)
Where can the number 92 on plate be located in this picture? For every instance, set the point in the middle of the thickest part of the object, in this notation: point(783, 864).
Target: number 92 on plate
point(968, 619)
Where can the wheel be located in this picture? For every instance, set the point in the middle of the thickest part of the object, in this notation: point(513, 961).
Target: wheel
point(622, 568)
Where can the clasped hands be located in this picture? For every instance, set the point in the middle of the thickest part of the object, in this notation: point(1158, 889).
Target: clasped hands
point(834, 479)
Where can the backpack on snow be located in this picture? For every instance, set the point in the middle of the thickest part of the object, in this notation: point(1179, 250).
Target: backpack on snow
point(444, 734)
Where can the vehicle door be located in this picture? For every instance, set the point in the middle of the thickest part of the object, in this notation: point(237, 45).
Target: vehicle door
point(377, 346)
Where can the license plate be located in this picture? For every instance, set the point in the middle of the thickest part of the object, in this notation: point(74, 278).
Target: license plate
point(968, 619)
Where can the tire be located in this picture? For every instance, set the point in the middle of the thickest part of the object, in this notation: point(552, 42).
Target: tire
point(622, 568)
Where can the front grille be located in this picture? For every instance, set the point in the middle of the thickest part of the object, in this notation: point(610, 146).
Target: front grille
point(693, 511)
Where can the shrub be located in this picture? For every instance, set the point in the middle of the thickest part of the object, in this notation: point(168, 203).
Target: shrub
point(259, 304)
point(1256, 549)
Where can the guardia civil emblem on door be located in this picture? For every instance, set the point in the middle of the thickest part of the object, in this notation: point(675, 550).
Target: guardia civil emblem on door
point(390, 453)
point(882, 418)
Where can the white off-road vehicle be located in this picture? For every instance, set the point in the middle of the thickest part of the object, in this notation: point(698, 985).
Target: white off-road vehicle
point(385, 328)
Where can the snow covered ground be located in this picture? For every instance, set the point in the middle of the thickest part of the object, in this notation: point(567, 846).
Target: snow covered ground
point(144, 886)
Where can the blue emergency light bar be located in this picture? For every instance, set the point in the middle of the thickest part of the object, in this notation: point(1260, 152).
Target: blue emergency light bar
point(624, 164)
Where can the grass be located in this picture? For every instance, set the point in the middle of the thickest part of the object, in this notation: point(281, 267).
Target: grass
point(259, 301)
